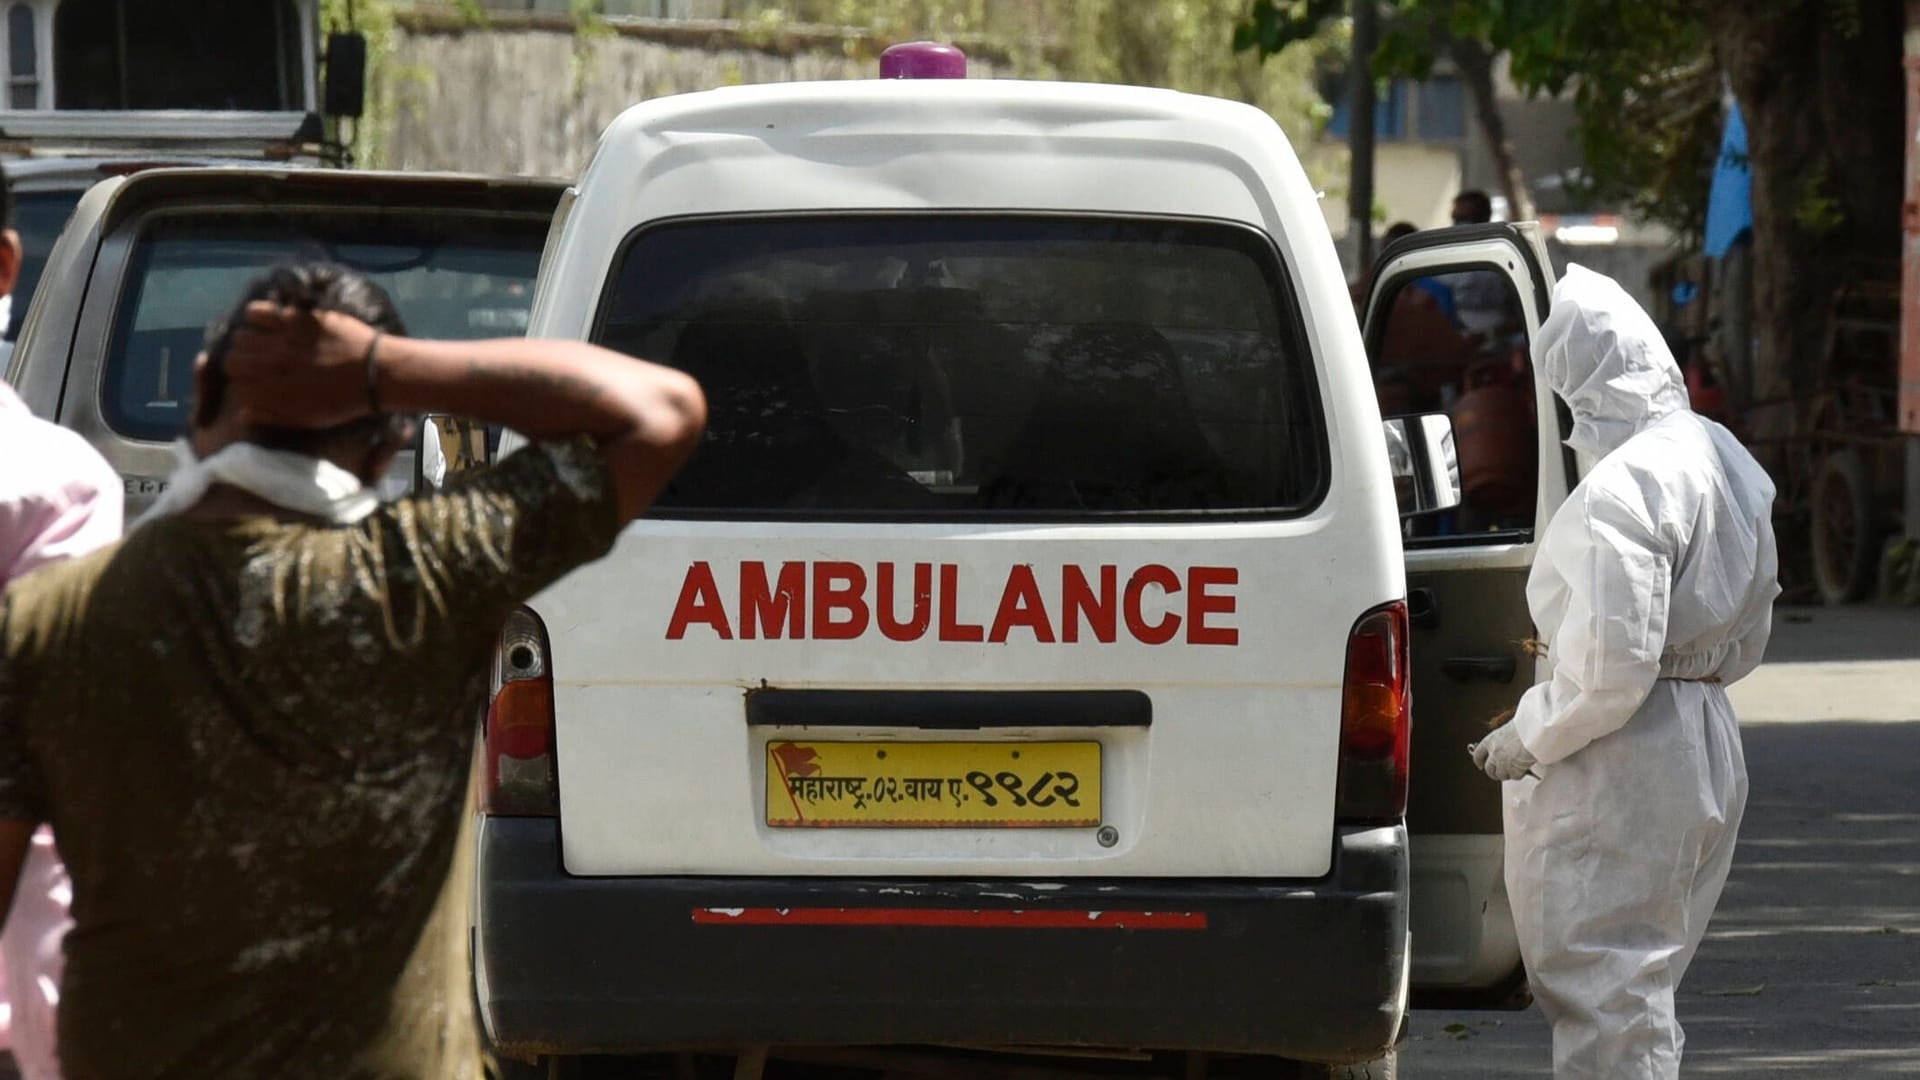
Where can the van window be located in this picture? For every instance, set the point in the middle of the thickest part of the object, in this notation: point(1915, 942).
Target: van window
point(1456, 342)
point(38, 217)
point(451, 276)
point(183, 54)
point(927, 366)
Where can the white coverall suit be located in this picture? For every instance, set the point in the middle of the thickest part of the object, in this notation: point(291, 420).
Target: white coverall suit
point(1653, 589)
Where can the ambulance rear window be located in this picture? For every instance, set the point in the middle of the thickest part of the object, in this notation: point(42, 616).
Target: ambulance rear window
point(934, 366)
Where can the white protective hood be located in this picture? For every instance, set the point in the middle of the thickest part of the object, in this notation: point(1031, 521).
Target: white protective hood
point(1603, 354)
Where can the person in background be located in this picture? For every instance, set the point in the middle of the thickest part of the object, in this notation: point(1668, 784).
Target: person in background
point(1625, 778)
point(58, 498)
point(1484, 303)
point(251, 721)
point(1472, 207)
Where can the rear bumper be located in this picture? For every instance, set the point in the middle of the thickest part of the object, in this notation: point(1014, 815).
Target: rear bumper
point(1307, 969)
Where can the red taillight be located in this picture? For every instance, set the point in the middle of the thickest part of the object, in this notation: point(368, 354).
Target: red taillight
point(1376, 716)
point(518, 747)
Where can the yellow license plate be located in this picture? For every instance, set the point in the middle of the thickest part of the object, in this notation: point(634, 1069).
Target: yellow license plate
point(933, 785)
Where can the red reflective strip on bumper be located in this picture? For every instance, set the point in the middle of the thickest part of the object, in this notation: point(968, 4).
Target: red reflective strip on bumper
point(952, 917)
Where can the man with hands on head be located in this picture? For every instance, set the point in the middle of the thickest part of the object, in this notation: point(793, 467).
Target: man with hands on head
point(251, 721)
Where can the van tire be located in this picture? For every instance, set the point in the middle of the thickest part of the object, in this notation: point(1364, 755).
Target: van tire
point(1846, 537)
point(1385, 1068)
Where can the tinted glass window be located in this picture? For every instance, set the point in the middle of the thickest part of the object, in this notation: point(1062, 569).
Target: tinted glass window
point(450, 276)
point(183, 54)
point(39, 219)
point(1456, 343)
point(926, 365)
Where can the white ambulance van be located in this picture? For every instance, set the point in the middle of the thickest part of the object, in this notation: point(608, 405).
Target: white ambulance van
point(1022, 662)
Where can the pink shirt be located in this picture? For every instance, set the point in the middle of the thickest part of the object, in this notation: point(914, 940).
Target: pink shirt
point(58, 498)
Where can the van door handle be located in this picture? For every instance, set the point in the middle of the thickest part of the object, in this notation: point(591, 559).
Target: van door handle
point(1500, 669)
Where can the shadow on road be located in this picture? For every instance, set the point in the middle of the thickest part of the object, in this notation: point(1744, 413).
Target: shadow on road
point(1803, 635)
point(1812, 967)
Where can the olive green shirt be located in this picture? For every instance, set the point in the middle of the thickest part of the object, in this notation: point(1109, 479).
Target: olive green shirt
point(253, 739)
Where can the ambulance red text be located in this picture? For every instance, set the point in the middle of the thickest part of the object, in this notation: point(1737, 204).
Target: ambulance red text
point(847, 601)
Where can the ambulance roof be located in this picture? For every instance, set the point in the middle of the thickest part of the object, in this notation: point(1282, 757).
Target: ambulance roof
point(958, 144)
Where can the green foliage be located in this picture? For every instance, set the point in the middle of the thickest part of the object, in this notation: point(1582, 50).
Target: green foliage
point(1647, 94)
point(1816, 210)
point(375, 19)
point(1645, 91)
point(1846, 17)
point(588, 23)
point(1272, 25)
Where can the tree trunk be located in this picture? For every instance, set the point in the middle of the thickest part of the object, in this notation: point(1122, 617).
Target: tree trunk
point(1824, 106)
point(1360, 135)
point(1475, 62)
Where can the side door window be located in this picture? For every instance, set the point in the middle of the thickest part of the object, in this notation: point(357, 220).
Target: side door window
point(1455, 342)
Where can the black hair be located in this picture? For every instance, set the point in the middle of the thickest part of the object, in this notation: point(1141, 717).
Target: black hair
point(1481, 202)
point(1399, 229)
point(306, 286)
point(6, 199)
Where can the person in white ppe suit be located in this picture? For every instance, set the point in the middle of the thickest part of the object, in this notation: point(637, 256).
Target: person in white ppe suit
point(1653, 590)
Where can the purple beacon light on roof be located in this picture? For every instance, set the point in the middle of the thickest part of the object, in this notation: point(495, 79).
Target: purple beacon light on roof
point(923, 60)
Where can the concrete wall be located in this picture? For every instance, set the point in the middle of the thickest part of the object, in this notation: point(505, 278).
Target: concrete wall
point(526, 96)
point(1413, 181)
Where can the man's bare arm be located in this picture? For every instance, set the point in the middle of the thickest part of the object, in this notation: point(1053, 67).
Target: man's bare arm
point(309, 370)
point(646, 418)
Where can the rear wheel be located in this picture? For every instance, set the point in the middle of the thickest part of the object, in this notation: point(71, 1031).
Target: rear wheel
point(1845, 540)
point(1386, 1068)
point(1382, 1068)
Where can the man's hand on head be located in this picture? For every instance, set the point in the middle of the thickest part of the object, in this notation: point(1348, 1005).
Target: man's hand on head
point(291, 368)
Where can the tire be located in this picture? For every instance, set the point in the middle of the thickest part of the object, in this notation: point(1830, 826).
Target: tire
point(1385, 1068)
point(1846, 539)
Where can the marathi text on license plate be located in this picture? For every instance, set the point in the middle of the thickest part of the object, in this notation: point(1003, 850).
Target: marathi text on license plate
point(933, 785)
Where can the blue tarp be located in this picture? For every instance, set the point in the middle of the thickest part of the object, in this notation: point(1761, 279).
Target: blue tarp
point(1730, 199)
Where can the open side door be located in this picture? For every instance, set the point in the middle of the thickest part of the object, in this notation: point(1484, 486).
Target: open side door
point(1449, 323)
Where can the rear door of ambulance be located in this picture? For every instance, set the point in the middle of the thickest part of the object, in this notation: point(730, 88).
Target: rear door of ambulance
point(1017, 545)
point(1449, 325)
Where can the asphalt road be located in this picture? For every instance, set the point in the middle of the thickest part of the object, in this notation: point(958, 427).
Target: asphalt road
point(1812, 965)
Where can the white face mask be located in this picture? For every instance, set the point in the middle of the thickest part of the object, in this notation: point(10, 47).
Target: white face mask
point(305, 485)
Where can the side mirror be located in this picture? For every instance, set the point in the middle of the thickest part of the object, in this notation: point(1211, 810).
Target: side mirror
point(346, 90)
point(1426, 470)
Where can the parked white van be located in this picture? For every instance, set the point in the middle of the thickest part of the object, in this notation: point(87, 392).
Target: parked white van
point(1022, 662)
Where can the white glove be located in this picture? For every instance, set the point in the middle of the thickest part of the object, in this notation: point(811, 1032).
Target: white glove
point(1502, 755)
